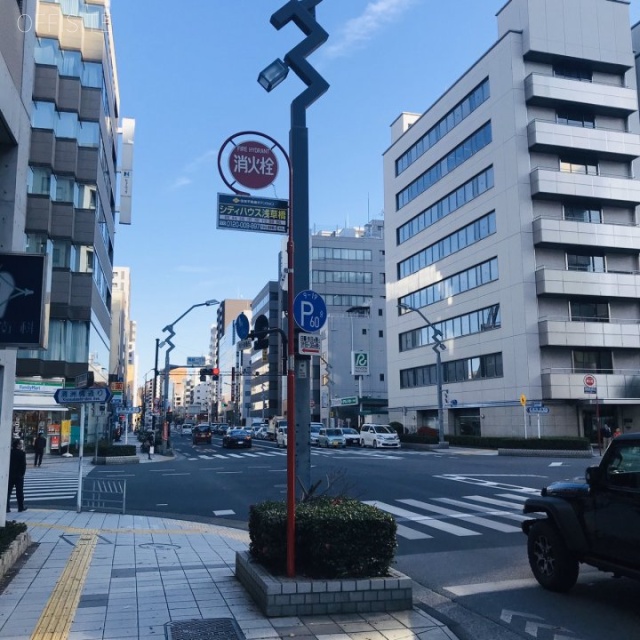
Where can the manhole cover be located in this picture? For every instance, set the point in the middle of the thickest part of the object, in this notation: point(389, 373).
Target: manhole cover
point(159, 545)
point(212, 629)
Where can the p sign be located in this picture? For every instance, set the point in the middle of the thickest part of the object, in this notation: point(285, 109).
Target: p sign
point(309, 311)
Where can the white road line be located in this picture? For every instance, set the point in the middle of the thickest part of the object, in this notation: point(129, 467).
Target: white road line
point(234, 455)
point(486, 510)
point(411, 534)
point(490, 587)
point(483, 522)
point(224, 512)
point(499, 503)
point(425, 521)
point(514, 496)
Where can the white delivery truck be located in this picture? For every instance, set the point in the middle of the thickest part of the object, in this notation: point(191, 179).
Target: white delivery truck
point(274, 423)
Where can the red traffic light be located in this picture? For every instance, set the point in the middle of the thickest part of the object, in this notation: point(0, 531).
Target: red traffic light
point(215, 372)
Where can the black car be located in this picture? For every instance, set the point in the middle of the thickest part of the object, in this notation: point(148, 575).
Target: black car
point(237, 438)
point(593, 521)
point(201, 433)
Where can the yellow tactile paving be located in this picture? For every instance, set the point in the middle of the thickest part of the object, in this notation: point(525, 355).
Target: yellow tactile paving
point(55, 621)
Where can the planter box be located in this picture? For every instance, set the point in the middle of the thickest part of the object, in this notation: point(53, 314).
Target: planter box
point(278, 596)
point(116, 460)
point(15, 550)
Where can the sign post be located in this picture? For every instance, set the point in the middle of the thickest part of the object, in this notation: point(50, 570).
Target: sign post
point(523, 402)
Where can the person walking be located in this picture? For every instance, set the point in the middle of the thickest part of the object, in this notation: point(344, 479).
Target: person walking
point(17, 469)
point(39, 445)
point(151, 440)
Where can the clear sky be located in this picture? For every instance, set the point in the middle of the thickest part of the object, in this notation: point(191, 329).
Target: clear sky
point(188, 75)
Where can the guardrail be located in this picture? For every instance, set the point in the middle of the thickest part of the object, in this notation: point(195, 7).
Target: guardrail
point(104, 495)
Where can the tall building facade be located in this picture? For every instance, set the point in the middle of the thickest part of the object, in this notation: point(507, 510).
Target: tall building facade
point(349, 381)
point(71, 186)
point(511, 214)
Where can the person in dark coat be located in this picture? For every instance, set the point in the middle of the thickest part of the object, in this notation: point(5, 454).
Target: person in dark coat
point(17, 469)
point(39, 445)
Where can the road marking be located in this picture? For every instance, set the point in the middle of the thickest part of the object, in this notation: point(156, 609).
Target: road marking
point(486, 510)
point(483, 522)
point(498, 503)
point(490, 587)
point(426, 521)
point(556, 464)
point(58, 614)
point(176, 474)
point(411, 534)
point(224, 512)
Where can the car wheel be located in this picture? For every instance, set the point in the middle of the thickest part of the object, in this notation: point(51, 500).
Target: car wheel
point(553, 565)
point(362, 443)
point(375, 444)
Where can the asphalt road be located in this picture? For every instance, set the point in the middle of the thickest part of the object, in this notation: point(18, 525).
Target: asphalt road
point(459, 535)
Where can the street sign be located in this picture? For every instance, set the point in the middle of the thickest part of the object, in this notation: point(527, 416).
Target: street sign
point(196, 361)
point(253, 164)
point(241, 345)
point(80, 396)
point(309, 344)
point(590, 384)
point(538, 409)
point(84, 380)
point(242, 326)
point(349, 400)
point(129, 410)
point(523, 400)
point(251, 213)
point(359, 363)
point(309, 311)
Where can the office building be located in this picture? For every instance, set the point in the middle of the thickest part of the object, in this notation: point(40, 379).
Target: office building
point(511, 226)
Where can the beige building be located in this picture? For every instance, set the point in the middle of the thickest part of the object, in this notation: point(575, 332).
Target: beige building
point(512, 226)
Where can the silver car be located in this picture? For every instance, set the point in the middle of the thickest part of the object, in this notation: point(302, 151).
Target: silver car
point(331, 438)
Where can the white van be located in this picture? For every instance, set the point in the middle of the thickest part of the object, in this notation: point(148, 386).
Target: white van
point(281, 437)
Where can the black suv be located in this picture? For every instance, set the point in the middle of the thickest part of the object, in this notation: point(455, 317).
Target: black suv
point(201, 433)
point(595, 521)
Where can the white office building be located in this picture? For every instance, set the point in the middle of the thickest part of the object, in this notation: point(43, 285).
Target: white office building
point(511, 226)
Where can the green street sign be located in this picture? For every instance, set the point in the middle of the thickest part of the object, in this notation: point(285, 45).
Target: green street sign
point(348, 401)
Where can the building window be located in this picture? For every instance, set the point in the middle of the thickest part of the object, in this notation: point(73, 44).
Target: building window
point(39, 181)
point(573, 72)
point(476, 368)
point(452, 119)
point(364, 332)
point(579, 165)
point(380, 333)
point(585, 311)
point(456, 157)
point(451, 202)
point(576, 119)
point(592, 361)
point(381, 377)
point(380, 312)
point(586, 262)
point(582, 213)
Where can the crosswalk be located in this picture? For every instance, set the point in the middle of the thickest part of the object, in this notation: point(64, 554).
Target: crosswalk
point(41, 485)
point(470, 515)
point(225, 454)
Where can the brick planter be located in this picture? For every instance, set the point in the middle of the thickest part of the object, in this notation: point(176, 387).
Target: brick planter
point(278, 596)
point(15, 550)
point(116, 460)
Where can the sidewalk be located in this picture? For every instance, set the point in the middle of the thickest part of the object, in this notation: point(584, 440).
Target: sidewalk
point(110, 576)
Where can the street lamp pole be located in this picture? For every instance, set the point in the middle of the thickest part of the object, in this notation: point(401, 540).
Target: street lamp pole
point(438, 347)
point(167, 341)
point(302, 14)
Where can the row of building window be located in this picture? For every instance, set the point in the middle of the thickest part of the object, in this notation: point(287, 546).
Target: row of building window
point(460, 154)
point(41, 181)
point(465, 237)
point(458, 283)
point(451, 202)
point(450, 120)
point(338, 300)
point(92, 14)
point(69, 63)
point(334, 253)
point(476, 368)
point(458, 327)
point(586, 311)
point(65, 124)
point(342, 277)
point(582, 213)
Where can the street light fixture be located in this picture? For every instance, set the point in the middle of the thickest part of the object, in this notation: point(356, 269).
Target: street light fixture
point(438, 348)
point(167, 366)
point(303, 14)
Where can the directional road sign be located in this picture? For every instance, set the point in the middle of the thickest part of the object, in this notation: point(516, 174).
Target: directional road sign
point(537, 409)
point(129, 410)
point(309, 311)
point(80, 396)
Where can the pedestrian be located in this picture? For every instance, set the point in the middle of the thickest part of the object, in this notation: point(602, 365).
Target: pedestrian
point(605, 435)
point(617, 432)
point(39, 445)
point(17, 469)
point(151, 439)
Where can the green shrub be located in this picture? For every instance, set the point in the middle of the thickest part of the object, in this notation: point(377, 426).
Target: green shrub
point(9, 533)
point(106, 450)
point(397, 427)
point(335, 538)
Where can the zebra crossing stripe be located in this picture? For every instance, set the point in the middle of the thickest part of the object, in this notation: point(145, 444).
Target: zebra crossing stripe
point(486, 510)
point(472, 519)
point(411, 534)
point(425, 521)
point(498, 503)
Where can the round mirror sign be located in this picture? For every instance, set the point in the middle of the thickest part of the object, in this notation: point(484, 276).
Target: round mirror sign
point(253, 164)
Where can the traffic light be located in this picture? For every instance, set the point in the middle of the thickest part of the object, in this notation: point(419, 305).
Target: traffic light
point(208, 371)
point(260, 333)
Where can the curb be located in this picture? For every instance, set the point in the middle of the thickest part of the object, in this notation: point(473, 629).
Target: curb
point(547, 453)
point(15, 550)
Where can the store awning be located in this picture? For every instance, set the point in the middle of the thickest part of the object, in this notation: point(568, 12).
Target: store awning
point(36, 403)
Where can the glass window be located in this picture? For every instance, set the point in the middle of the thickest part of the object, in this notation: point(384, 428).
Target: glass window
point(585, 311)
point(39, 181)
point(585, 262)
point(46, 51)
point(85, 196)
point(66, 124)
point(88, 134)
point(62, 188)
point(592, 361)
point(70, 63)
point(92, 73)
point(43, 115)
point(579, 213)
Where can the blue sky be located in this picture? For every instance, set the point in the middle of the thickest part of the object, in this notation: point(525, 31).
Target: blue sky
point(188, 75)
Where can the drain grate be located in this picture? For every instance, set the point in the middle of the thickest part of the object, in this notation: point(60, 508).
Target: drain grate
point(212, 629)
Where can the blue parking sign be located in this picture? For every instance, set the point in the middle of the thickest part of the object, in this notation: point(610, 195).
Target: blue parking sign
point(309, 311)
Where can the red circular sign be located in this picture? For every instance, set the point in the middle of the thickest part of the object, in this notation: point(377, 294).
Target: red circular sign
point(253, 165)
point(589, 381)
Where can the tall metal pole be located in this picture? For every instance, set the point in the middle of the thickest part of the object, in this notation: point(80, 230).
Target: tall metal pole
point(154, 390)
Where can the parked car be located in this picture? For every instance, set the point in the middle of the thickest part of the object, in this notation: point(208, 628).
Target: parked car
point(314, 428)
point(187, 429)
point(281, 437)
point(351, 436)
point(378, 435)
point(261, 433)
point(202, 433)
point(592, 521)
point(331, 438)
point(237, 438)
point(220, 429)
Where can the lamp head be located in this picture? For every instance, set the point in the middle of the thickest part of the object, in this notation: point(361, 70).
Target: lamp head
point(210, 303)
point(273, 75)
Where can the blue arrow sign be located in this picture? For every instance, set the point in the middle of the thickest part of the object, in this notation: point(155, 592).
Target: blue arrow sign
point(242, 326)
point(309, 311)
point(80, 396)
